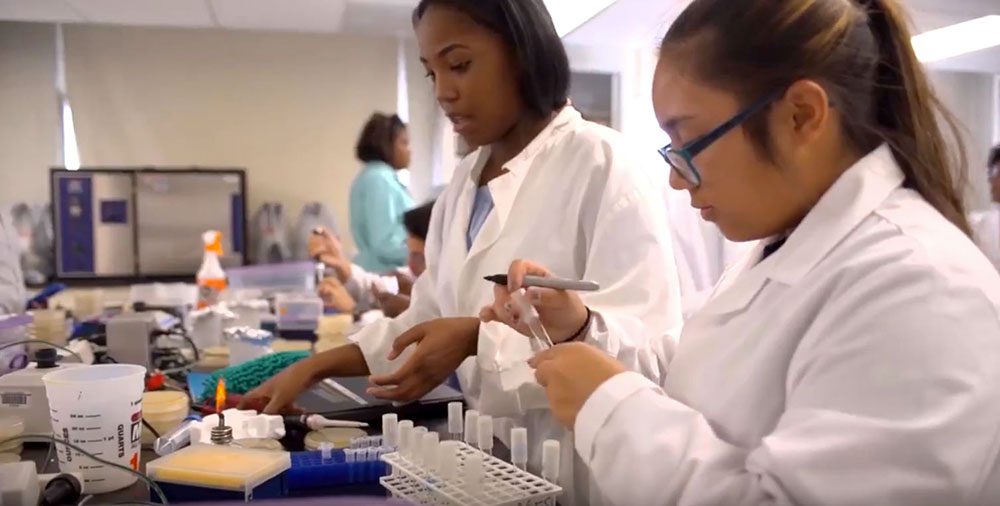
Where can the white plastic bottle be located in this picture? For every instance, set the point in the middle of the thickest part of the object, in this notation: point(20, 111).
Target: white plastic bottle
point(211, 278)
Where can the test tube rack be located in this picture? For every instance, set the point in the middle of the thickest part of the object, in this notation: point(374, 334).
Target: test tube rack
point(502, 483)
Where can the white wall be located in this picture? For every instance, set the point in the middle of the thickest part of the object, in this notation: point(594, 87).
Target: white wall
point(28, 111)
point(288, 107)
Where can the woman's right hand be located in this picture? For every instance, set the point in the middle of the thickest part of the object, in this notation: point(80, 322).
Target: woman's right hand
point(561, 312)
point(278, 394)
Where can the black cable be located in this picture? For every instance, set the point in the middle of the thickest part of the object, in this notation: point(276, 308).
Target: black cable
point(151, 429)
point(43, 343)
point(194, 347)
point(46, 437)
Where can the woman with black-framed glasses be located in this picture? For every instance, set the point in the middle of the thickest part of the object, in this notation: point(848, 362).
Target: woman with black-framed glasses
point(853, 357)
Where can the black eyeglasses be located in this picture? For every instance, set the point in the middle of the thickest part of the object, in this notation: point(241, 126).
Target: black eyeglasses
point(681, 159)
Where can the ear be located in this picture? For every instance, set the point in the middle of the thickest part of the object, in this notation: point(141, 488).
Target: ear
point(807, 109)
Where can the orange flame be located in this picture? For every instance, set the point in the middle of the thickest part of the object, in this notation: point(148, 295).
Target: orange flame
point(220, 395)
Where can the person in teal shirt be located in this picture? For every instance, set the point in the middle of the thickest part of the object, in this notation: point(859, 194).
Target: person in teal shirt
point(378, 199)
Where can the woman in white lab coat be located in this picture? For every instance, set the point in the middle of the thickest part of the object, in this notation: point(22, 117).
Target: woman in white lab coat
point(854, 358)
point(542, 183)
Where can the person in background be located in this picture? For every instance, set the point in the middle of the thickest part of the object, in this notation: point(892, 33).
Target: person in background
point(853, 358)
point(354, 289)
point(12, 291)
point(986, 224)
point(378, 199)
point(541, 183)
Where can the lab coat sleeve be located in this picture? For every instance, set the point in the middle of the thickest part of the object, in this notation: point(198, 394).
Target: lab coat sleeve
point(890, 399)
point(363, 284)
point(628, 252)
point(383, 207)
point(376, 339)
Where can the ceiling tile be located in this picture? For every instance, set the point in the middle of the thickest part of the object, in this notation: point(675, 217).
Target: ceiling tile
point(380, 17)
point(283, 15)
point(38, 10)
point(145, 12)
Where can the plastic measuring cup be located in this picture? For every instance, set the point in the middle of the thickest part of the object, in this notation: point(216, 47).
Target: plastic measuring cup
point(99, 409)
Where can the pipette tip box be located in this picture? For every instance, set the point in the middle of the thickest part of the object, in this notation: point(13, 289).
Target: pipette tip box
point(222, 472)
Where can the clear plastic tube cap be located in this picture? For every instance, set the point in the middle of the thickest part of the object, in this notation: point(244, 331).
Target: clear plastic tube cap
point(519, 445)
point(455, 418)
point(472, 427)
point(550, 461)
point(390, 430)
point(485, 432)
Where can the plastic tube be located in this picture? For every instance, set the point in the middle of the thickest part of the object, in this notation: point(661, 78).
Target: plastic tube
point(455, 421)
point(550, 461)
point(405, 429)
point(448, 460)
point(519, 447)
point(430, 451)
point(417, 445)
point(486, 434)
point(390, 431)
point(473, 473)
point(472, 427)
point(529, 315)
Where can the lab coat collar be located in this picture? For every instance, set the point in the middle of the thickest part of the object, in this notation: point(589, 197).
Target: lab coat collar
point(854, 196)
point(566, 117)
point(504, 189)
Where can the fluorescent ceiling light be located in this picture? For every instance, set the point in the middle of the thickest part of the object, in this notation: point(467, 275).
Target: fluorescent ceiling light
point(957, 39)
point(568, 15)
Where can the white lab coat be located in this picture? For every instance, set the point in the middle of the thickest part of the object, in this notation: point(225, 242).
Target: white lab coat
point(577, 201)
point(363, 286)
point(857, 365)
point(12, 292)
point(986, 230)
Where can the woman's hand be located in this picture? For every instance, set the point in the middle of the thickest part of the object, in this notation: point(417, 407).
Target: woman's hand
point(278, 394)
point(562, 313)
point(442, 346)
point(336, 296)
point(326, 248)
point(571, 373)
point(392, 304)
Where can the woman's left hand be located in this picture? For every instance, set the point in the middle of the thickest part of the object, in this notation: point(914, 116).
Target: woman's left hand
point(562, 313)
point(571, 373)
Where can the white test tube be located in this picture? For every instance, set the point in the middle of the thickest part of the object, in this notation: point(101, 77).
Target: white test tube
point(417, 445)
point(390, 431)
point(455, 421)
point(326, 450)
point(350, 455)
point(473, 473)
point(486, 434)
point(519, 447)
point(448, 460)
point(472, 427)
point(430, 450)
point(550, 461)
point(405, 429)
point(372, 454)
